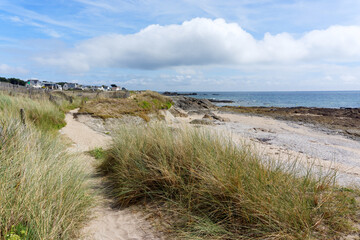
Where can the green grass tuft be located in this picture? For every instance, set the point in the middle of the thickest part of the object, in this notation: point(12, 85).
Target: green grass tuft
point(97, 153)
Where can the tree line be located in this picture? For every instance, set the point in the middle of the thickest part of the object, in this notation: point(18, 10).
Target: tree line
point(15, 81)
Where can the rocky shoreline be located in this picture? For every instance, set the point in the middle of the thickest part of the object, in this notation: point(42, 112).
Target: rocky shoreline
point(312, 134)
point(345, 121)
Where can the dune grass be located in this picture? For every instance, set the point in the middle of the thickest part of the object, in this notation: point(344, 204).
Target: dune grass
point(43, 194)
point(139, 104)
point(42, 113)
point(217, 190)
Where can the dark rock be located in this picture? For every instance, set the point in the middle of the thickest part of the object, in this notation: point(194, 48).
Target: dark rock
point(188, 103)
point(220, 101)
point(178, 94)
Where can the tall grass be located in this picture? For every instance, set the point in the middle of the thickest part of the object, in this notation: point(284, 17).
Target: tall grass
point(42, 187)
point(41, 112)
point(140, 104)
point(218, 190)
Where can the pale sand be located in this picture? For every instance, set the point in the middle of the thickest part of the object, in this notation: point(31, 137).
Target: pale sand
point(288, 141)
point(282, 140)
point(107, 223)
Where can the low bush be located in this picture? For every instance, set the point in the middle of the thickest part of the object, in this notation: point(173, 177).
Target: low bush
point(219, 190)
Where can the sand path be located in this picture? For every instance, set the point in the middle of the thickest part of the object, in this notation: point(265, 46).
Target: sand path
point(107, 223)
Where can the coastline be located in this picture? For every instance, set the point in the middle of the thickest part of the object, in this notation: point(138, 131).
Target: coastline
point(280, 133)
point(287, 142)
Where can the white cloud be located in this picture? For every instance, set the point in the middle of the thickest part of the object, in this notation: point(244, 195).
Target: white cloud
point(6, 69)
point(202, 42)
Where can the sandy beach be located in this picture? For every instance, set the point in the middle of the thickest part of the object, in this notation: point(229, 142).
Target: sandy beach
point(291, 140)
point(282, 140)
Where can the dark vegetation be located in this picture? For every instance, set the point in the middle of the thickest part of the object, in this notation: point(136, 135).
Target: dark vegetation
point(15, 81)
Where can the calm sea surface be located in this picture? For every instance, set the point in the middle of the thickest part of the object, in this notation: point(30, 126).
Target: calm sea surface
point(325, 99)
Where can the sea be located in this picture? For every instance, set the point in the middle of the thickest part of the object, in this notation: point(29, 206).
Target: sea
point(320, 99)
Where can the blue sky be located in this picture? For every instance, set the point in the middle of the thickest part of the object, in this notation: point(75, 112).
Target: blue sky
point(184, 45)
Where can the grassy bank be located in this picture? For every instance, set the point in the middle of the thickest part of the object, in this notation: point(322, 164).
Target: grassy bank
point(139, 104)
point(43, 194)
point(217, 190)
point(40, 113)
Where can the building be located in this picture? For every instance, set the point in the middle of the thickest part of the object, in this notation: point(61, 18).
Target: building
point(114, 87)
point(52, 86)
point(97, 88)
point(34, 83)
point(107, 88)
point(70, 86)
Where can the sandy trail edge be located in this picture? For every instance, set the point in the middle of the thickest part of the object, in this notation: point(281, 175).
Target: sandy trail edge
point(107, 223)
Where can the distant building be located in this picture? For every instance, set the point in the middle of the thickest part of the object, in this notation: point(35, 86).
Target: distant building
point(34, 83)
point(97, 88)
point(70, 86)
point(106, 88)
point(52, 86)
point(114, 87)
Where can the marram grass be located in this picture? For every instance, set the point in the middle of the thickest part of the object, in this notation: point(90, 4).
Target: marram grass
point(217, 190)
point(43, 114)
point(43, 191)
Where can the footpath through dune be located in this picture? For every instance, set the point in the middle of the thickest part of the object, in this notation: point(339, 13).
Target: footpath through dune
point(107, 223)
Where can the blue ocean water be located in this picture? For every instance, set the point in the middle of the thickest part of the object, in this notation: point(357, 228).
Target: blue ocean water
point(324, 99)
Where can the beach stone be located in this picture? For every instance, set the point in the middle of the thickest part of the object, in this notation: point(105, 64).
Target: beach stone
point(198, 112)
point(355, 132)
point(189, 103)
point(177, 112)
point(213, 116)
point(202, 122)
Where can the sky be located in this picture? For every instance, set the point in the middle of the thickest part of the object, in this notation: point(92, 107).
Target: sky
point(184, 45)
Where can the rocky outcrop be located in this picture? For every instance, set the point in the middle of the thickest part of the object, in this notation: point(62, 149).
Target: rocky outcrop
point(220, 101)
point(178, 112)
point(344, 120)
point(188, 103)
point(213, 116)
point(178, 94)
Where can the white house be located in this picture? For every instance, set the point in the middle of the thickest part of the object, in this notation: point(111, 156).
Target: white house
point(34, 83)
point(107, 88)
point(114, 87)
point(68, 86)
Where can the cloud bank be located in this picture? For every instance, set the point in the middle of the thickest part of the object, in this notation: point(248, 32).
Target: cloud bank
point(202, 42)
point(6, 69)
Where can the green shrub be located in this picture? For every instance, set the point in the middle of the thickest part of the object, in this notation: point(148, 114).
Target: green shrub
point(218, 190)
point(97, 153)
point(145, 105)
